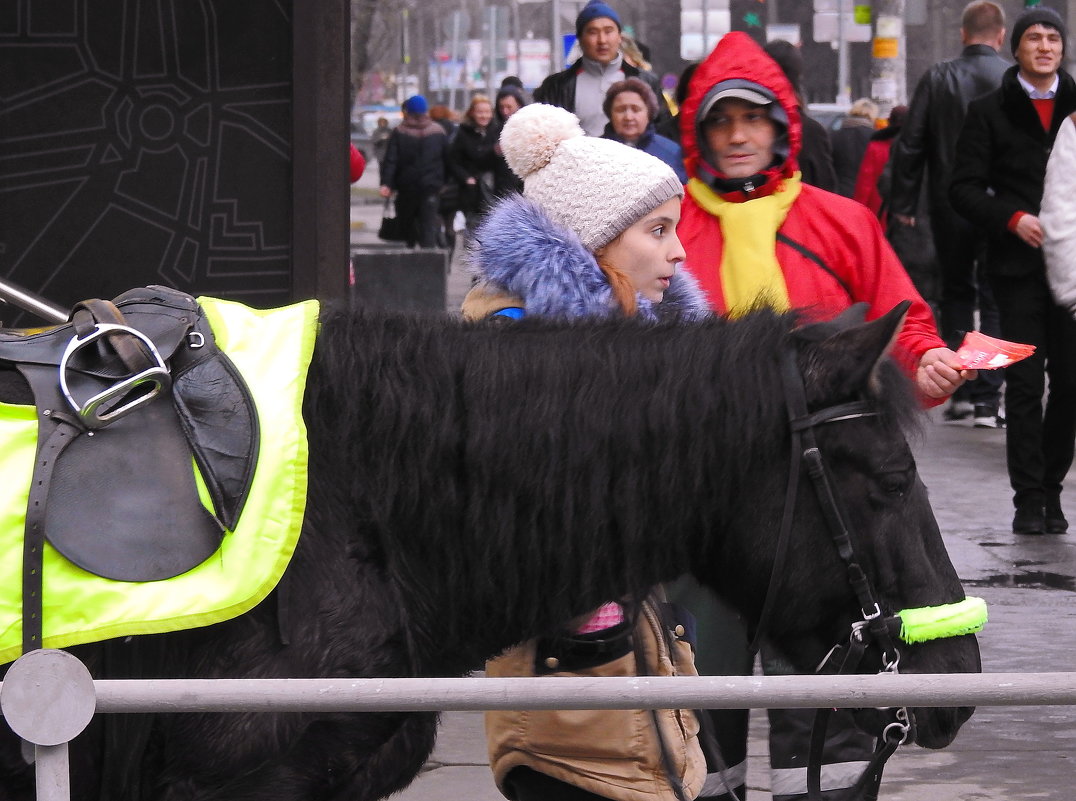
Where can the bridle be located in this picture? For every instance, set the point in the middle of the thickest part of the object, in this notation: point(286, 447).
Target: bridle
point(875, 626)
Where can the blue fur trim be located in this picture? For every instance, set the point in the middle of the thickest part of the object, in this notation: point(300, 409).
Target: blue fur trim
point(519, 249)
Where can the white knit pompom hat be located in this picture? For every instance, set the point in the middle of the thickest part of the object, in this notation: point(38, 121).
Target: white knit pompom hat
point(595, 187)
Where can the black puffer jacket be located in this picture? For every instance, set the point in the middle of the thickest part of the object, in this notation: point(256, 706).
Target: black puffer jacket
point(929, 135)
point(1000, 168)
point(559, 89)
point(416, 158)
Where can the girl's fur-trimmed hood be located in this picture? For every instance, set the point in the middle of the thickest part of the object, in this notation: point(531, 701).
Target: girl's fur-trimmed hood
point(518, 249)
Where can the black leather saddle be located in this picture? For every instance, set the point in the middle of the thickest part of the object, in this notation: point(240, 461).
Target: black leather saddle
point(130, 394)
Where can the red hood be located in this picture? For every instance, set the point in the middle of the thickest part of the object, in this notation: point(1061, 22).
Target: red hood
point(737, 55)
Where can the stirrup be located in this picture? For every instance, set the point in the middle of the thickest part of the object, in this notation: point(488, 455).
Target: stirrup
point(93, 412)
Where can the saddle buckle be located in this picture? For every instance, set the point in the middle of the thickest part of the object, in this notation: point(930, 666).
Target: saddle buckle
point(98, 411)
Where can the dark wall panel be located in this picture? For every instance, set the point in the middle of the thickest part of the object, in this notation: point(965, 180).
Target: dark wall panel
point(151, 141)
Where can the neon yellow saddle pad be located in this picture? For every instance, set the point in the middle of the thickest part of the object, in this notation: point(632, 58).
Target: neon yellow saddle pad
point(272, 350)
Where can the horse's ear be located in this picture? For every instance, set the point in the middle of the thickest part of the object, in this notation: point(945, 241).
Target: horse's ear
point(841, 357)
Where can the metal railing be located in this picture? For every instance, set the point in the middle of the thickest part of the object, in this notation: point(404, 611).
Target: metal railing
point(48, 697)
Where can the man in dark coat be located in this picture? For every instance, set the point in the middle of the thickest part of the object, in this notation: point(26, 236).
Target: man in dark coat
point(816, 153)
point(997, 184)
point(929, 141)
point(414, 168)
point(581, 88)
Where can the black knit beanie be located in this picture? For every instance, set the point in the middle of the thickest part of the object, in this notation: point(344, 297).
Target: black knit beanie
point(1039, 15)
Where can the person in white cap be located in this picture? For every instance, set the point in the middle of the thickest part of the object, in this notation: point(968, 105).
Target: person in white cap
point(593, 235)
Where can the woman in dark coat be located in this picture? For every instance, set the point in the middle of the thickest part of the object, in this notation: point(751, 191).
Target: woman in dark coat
point(472, 158)
point(509, 100)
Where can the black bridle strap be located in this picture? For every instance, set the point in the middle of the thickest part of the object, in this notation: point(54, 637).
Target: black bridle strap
point(857, 647)
point(871, 777)
point(795, 396)
point(801, 424)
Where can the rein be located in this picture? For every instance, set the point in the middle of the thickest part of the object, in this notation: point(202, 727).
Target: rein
point(874, 627)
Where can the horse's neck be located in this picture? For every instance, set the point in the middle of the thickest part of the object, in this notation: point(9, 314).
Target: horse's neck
point(514, 482)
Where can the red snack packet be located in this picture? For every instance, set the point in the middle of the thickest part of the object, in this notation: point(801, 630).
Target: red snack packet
point(980, 352)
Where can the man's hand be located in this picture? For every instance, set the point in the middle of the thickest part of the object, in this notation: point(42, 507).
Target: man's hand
point(904, 219)
point(384, 191)
point(1029, 229)
point(939, 373)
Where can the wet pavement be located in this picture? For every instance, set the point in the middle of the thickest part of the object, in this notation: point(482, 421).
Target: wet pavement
point(1002, 753)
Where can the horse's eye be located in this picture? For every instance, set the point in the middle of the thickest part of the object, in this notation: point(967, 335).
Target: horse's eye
point(894, 483)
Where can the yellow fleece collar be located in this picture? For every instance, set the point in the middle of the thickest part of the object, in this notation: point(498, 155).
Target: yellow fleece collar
point(750, 273)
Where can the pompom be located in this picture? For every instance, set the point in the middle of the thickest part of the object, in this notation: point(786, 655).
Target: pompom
point(531, 135)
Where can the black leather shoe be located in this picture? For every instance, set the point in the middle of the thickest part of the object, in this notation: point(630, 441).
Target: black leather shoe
point(1029, 520)
point(1055, 519)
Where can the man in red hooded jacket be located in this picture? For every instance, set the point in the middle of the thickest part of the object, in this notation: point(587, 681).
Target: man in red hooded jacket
point(756, 235)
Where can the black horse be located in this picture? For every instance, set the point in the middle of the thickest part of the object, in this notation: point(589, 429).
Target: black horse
point(475, 485)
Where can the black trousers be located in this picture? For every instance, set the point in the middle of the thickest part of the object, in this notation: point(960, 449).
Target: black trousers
point(421, 214)
point(960, 248)
point(1038, 442)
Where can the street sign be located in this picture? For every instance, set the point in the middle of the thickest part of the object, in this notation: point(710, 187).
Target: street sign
point(826, 27)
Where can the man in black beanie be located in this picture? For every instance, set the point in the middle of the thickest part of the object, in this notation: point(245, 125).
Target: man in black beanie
point(582, 87)
point(997, 184)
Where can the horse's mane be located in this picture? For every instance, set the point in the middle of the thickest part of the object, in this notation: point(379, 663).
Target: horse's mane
point(516, 467)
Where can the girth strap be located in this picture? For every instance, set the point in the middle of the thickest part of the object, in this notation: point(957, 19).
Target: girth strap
point(34, 533)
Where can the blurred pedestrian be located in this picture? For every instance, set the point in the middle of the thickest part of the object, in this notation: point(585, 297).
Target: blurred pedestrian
point(415, 169)
point(875, 157)
point(1058, 217)
point(444, 117)
point(472, 159)
point(631, 107)
point(379, 139)
point(449, 205)
point(849, 143)
point(816, 151)
point(913, 244)
point(998, 181)
point(924, 156)
point(509, 100)
point(581, 88)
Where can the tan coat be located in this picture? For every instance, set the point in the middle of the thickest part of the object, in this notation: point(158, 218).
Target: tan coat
point(613, 753)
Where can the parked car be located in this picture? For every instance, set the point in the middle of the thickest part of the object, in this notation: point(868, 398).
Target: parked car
point(364, 121)
point(828, 114)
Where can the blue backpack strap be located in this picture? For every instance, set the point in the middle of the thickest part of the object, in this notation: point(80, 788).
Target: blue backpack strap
point(511, 312)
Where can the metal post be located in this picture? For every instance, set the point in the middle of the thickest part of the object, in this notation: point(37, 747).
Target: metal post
point(48, 698)
point(457, 17)
point(844, 94)
point(491, 50)
point(405, 54)
point(705, 28)
point(556, 48)
point(516, 37)
point(28, 301)
point(888, 57)
point(52, 771)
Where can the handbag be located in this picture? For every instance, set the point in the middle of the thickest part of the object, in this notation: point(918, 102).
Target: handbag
point(392, 228)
